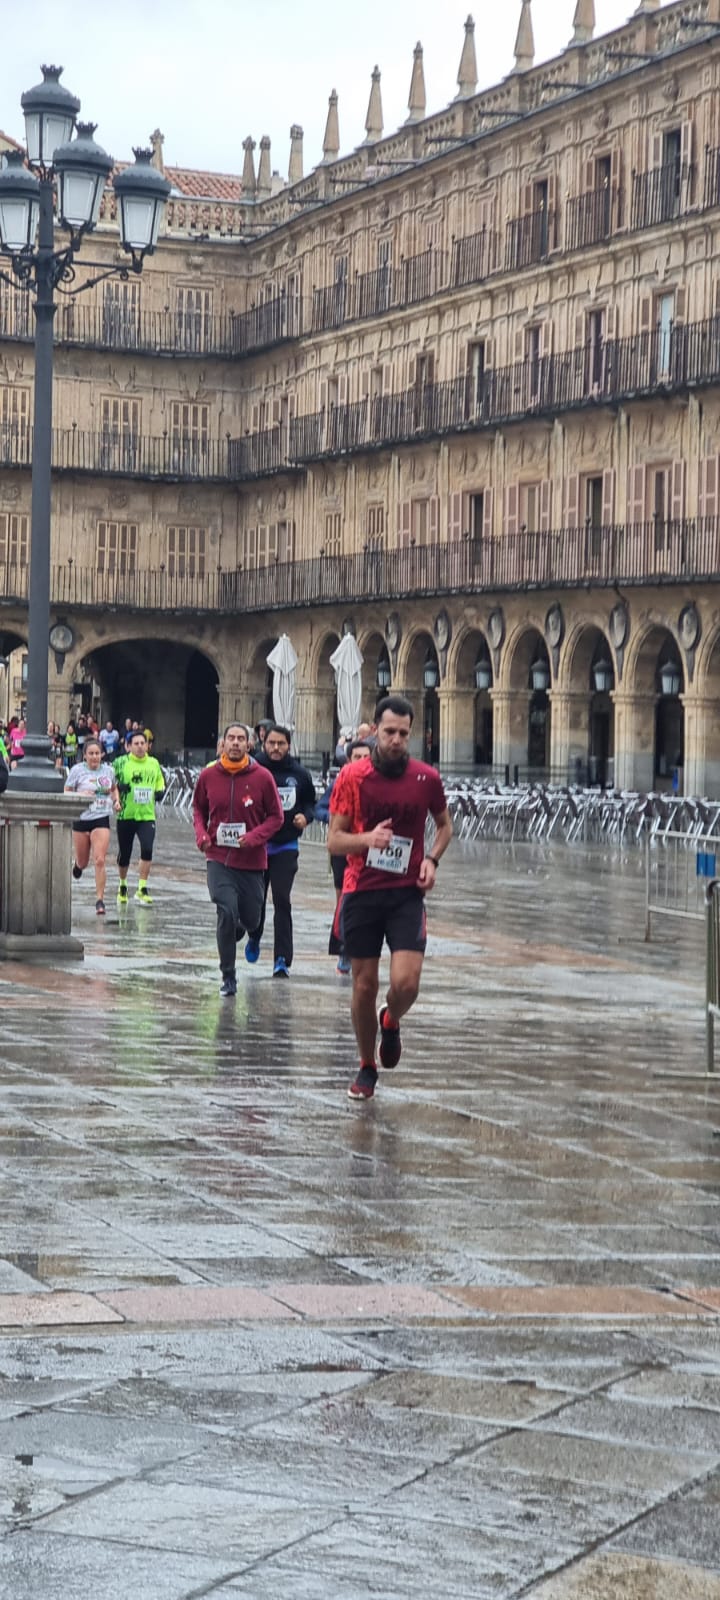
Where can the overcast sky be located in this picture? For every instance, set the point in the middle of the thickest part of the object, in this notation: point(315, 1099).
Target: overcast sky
point(208, 72)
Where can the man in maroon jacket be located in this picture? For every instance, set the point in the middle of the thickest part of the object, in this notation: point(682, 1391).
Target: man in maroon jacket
point(236, 809)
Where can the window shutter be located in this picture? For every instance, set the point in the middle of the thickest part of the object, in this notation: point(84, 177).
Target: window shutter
point(323, 394)
point(708, 486)
point(608, 498)
point(511, 508)
point(677, 491)
point(434, 519)
point(590, 179)
point(411, 373)
point(616, 186)
point(364, 383)
point(552, 211)
point(646, 314)
point(455, 517)
point(545, 505)
point(580, 331)
point(686, 144)
point(519, 345)
point(680, 309)
point(656, 151)
point(611, 323)
point(528, 199)
point(404, 522)
point(255, 418)
point(342, 391)
point(546, 338)
point(276, 413)
point(571, 518)
point(488, 526)
point(636, 495)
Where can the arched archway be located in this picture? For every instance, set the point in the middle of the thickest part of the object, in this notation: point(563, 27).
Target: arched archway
point(589, 742)
point(529, 678)
point(377, 671)
point(422, 679)
point(260, 683)
point(170, 687)
point(659, 682)
point(473, 708)
point(13, 673)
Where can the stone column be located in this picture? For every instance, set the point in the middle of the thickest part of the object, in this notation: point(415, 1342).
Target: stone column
point(569, 729)
point(457, 728)
point(701, 774)
point(634, 739)
point(36, 861)
point(511, 708)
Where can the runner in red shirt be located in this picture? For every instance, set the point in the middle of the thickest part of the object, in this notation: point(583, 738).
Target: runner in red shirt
point(378, 812)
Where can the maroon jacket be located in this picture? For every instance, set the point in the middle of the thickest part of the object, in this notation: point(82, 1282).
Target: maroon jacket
point(251, 797)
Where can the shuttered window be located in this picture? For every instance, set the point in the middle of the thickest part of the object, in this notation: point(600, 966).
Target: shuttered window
point(186, 552)
point(193, 316)
point(116, 546)
point(14, 413)
point(14, 540)
point(333, 533)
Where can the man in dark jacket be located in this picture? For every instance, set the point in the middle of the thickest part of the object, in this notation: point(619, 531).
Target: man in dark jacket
point(236, 810)
point(296, 790)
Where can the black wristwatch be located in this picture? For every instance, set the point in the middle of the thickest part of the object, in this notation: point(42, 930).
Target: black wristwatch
point(434, 859)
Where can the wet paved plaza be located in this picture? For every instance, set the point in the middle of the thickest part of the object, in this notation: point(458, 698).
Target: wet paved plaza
point(462, 1341)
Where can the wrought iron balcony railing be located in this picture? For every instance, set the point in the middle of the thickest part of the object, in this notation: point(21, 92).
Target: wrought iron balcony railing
point(387, 288)
point(530, 239)
point(643, 554)
point(592, 218)
point(661, 195)
point(141, 456)
point(474, 258)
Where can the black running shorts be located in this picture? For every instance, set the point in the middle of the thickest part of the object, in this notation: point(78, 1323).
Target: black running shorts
point(88, 824)
point(367, 917)
point(127, 832)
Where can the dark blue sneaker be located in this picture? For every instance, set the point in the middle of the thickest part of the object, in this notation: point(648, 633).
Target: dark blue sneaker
point(252, 950)
point(280, 969)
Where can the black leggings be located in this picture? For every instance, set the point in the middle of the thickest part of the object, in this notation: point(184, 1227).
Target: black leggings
point(127, 832)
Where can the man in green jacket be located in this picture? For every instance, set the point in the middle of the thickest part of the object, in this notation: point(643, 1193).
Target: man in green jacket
point(141, 785)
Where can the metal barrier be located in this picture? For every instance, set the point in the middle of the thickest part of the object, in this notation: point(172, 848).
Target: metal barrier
point(677, 868)
point(712, 969)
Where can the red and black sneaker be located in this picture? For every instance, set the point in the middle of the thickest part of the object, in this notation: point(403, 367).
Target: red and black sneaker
point(390, 1046)
point(364, 1086)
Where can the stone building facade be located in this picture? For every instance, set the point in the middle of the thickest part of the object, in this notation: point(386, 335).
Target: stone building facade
point(458, 391)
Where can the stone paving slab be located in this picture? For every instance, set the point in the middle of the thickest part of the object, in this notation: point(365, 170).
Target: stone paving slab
point(614, 1577)
point(184, 1304)
point(53, 1310)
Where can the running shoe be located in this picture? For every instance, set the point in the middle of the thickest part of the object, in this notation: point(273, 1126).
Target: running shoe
point(122, 895)
point(144, 896)
point(364, 1086)
point(77, 871)
point(100, 907)
point(390, 1046)
point(228, 987)
point(343, 966)
point(280, 969)
point(252, 950)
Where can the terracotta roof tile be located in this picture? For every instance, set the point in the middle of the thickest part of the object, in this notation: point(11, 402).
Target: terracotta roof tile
point(204, 185)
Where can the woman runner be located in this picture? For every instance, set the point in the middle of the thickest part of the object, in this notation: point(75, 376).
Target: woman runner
point(94, 781)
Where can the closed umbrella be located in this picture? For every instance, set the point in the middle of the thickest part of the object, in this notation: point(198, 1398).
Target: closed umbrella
point(283, 661)
point(347, 663)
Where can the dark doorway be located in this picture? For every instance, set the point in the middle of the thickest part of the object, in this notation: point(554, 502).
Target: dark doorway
point(201, 703)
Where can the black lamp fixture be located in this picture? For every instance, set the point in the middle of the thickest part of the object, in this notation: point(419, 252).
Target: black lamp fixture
point(540, 675)
point(383, 674)
point(431, 673)
point(603, 676)
point(670, 679)
point(483, 673)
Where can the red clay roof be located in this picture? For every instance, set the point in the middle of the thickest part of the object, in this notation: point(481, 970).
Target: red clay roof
point(7, 139)
point(204, 185)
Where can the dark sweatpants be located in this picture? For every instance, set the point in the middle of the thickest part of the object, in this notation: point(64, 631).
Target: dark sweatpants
point(238, 898)
point(279, 877)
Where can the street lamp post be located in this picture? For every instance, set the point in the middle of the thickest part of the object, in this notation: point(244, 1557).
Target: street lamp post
point(60, 182)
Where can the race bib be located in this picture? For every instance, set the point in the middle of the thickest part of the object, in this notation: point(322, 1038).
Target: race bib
point(229, 834)
point(142, 796)
point(394, 858)
point(101, 806)
point(288, 796)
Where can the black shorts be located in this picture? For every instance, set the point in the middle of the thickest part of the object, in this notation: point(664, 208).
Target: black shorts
point(338, 864)
point(88, 824)
point(127, 832)
point(367, 917)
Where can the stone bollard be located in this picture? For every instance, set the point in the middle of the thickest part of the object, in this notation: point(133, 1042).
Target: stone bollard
point(35, 877)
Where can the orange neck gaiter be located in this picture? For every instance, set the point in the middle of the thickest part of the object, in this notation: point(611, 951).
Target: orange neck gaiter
point(234, 767)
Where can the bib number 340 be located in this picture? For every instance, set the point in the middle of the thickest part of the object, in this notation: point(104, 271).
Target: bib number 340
point(395, 857)
point(229, 835)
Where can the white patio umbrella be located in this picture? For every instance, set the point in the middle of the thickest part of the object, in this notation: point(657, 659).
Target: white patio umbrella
point(283, 662)
point(347, 664)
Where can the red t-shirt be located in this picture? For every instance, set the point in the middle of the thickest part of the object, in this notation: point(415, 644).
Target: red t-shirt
point(368, 797)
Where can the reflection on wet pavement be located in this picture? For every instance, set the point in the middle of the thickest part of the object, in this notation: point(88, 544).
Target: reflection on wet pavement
point(463, 1341)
